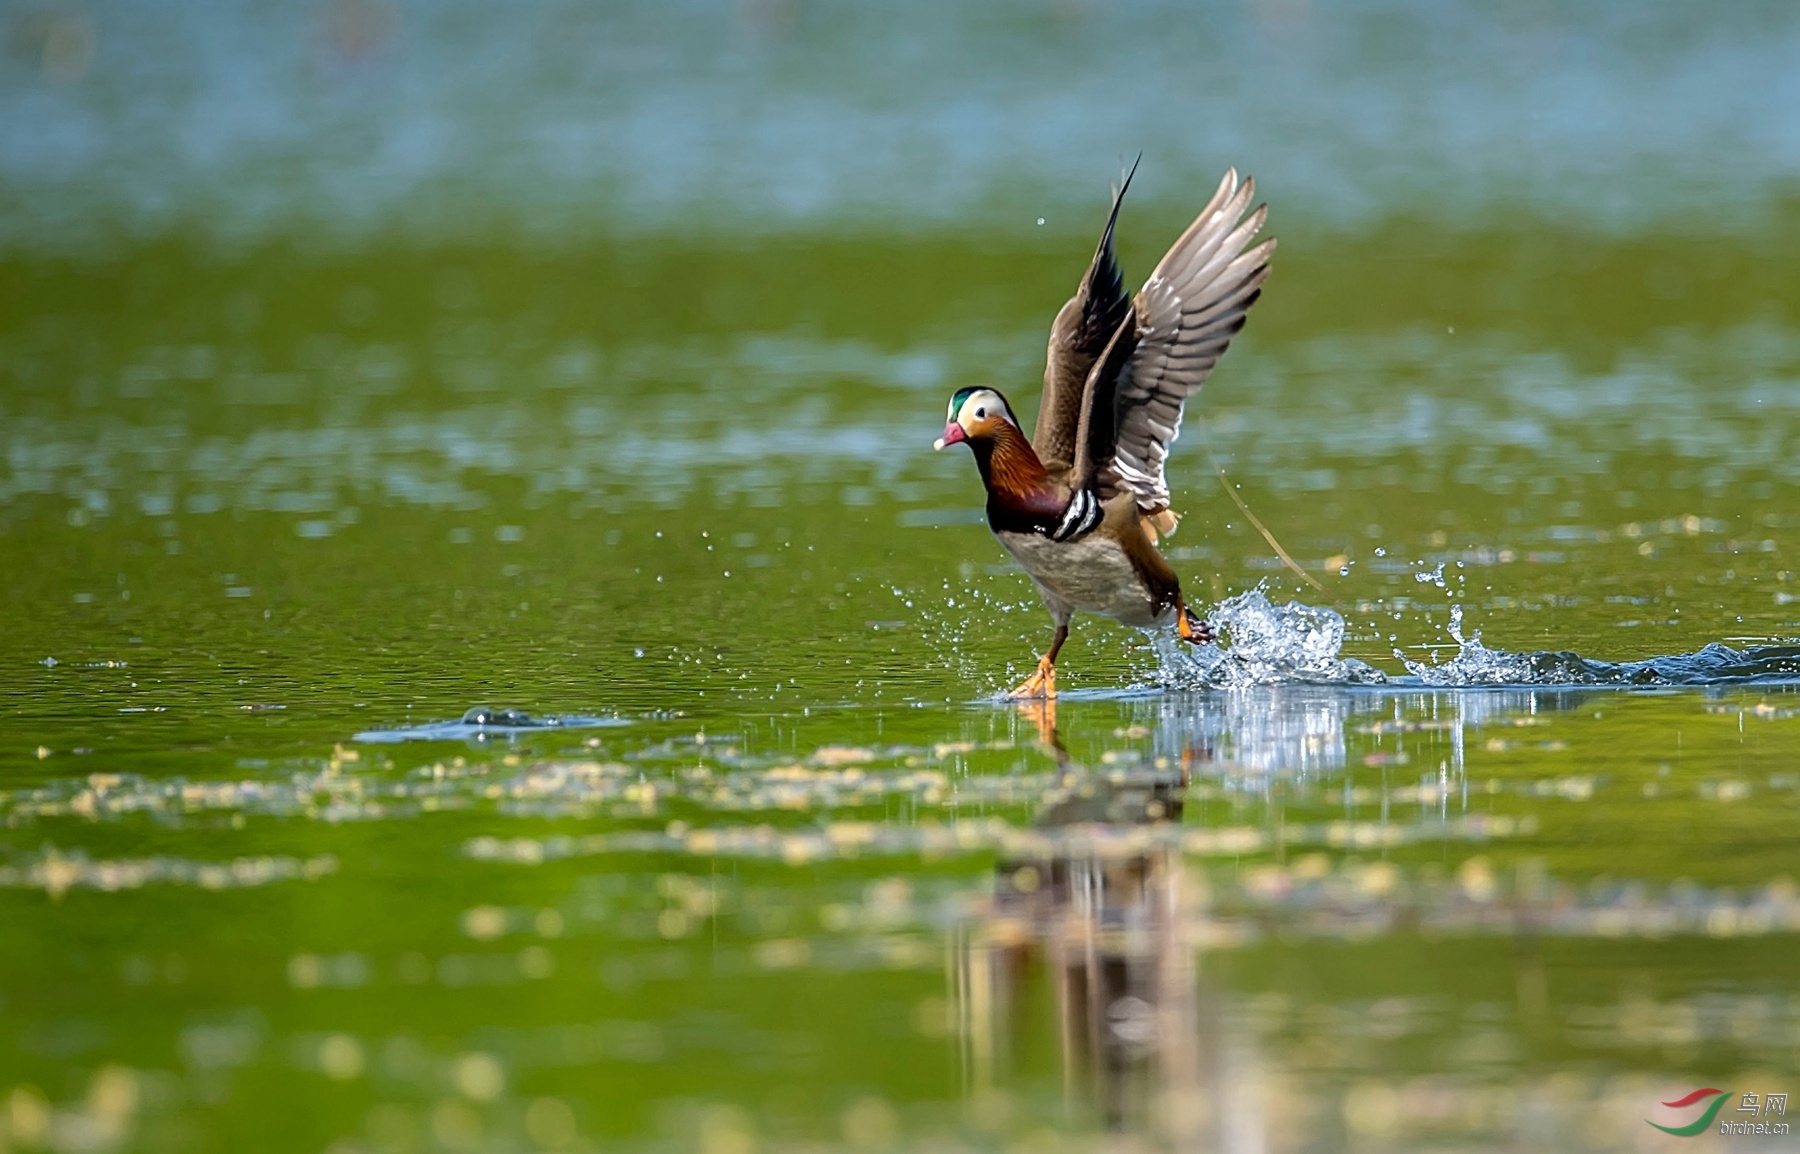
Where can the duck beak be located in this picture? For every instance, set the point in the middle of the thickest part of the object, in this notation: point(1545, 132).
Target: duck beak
point(953, 433)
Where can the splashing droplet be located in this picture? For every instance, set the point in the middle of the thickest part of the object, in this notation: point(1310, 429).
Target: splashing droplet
point(1269, 645)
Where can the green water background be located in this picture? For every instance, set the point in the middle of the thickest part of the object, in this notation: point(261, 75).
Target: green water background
point(360, 364)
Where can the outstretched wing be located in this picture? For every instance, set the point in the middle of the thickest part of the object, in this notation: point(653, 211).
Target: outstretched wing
point(1188, 311)
point(1078, 336)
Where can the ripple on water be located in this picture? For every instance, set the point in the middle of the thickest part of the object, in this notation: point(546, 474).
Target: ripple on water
point(482, 724)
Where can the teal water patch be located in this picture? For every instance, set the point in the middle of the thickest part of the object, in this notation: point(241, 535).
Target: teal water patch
point(459, 119)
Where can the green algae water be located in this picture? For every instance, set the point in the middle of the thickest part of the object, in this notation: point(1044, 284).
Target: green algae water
point(492, 662)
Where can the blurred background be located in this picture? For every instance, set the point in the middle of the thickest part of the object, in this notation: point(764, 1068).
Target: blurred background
point(362, 362)
point(339, 124)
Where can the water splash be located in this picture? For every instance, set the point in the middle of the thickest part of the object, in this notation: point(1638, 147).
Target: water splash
point(1714, 664)
point(1475, 663)
point(1432, 577)
point(1299, 644)
point(1268, 645)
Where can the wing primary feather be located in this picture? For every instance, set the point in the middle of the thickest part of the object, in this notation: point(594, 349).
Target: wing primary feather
point(1221, 252)
point(1227, 187)
point(1182, 267)
point(1105, 284)
point(1079, 334)
point(1195, 301)
point(1118, 199)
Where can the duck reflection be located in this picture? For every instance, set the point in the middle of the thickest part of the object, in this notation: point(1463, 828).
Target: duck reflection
point(1107, 928)
point(1113, 924)
point(1301, 730)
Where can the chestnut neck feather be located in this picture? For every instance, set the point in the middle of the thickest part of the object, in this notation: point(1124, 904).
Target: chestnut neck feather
point(1012, 473)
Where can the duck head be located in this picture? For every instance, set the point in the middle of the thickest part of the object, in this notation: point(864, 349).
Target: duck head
point(977, 415)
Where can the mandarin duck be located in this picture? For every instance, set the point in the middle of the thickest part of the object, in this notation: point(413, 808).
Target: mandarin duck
point(1082, 503)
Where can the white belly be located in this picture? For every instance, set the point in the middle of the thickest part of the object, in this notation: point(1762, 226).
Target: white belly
point(1092, 575)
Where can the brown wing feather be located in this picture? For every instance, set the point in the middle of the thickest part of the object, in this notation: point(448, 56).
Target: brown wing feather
point(1077, 337)
point(1190, 308)
point(1098, 429)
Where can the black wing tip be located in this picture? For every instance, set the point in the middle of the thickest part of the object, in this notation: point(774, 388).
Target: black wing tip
point(1118, 199)
point(1105, 261)
point(1129, 173)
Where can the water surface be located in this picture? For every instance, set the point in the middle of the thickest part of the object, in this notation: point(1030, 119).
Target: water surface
point(361, 365)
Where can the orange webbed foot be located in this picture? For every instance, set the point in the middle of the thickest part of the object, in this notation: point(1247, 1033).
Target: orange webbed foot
point(1193, 630)
point(1040, 684)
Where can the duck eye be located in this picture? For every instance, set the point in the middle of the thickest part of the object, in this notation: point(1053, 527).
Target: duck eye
point(980, 414)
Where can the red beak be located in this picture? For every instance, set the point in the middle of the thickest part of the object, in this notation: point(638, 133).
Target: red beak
point(953, 433)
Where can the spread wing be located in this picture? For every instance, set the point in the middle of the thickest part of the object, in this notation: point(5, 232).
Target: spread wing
point(1082, 328)
point(1188, 311)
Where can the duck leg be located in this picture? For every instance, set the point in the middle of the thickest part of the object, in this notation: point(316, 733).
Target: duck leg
point(1043, 682)
point(1193, 630)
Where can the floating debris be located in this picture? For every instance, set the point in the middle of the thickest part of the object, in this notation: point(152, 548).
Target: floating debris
point(318, 791)
point(1312, 897)
point(56, 872)
point(933, 840)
